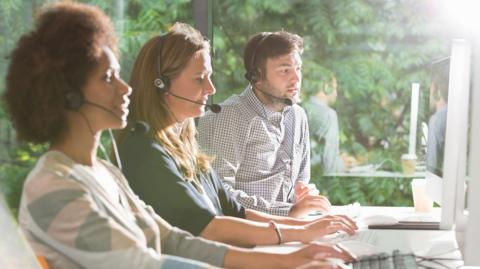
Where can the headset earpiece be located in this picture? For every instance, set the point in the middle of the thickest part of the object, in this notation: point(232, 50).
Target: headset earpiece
point(74, 100)
point(254, 75)
point(162, 83)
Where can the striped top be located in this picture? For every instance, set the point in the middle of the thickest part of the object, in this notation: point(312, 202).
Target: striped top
point(71, 220)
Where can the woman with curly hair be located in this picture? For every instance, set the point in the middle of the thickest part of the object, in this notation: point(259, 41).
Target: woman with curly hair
point(63, 88)
point(77, 211)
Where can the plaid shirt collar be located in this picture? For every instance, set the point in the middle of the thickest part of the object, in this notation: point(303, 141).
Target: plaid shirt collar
point(261, 109)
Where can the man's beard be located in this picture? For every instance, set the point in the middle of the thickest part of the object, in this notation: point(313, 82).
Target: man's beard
point(267, 88)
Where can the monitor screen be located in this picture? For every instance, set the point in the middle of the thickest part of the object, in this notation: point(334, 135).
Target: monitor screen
point(447, 130)
point(437, 116)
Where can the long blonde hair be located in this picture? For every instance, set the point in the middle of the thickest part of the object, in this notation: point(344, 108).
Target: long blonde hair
point(167, 55)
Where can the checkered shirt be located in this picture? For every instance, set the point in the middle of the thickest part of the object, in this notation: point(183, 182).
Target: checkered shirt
point(260, 154)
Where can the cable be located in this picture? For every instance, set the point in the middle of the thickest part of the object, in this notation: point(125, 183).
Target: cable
point(88, 122)
point(435, 262)
point(104, 151)
point(115, 149)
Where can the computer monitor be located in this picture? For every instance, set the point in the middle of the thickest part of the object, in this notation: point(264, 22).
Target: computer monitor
point(468, 221)
point(447, 134)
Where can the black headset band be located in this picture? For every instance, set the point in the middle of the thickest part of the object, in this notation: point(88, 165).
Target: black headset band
point(161, 81)
point(256, 49)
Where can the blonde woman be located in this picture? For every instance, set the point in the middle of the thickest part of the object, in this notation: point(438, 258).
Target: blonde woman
point(162, 161)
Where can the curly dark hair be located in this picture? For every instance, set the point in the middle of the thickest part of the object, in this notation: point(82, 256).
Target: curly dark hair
point(55, 58)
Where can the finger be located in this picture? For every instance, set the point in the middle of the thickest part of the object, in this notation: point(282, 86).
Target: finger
point(318, 265)
point(318, 250)
point(316, 202)
point(345, 253)
point(345, 221)
point(301, 193)
point(299, 185)
point(339, 226)
point(349, 220)
point(330, 251)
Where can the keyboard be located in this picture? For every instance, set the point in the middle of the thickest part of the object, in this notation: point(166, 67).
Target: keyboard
point(366, 236)
point(396, 260)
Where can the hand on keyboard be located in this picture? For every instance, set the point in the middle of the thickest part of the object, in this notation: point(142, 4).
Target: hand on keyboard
point(318, 251)
point(328, 225)
point(367, 236)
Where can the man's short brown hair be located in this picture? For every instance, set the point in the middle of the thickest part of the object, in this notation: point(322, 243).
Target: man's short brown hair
point(265, 45)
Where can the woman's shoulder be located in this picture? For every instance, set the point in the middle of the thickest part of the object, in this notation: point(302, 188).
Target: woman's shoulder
point(139, 143)
point(53, 177)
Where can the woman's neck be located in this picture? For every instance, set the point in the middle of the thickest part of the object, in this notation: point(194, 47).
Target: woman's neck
point(79, 144)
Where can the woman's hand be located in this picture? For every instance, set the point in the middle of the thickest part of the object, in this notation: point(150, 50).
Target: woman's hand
point(327, 225)
point(314, 255)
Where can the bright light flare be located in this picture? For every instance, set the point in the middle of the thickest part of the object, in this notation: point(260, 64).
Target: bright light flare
point(463, 15)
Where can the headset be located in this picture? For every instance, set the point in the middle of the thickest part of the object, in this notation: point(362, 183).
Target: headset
point(162, 83)
point(254, 73)
point(73, 101)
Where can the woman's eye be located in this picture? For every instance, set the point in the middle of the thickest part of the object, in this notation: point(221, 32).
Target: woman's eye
point(108, 77)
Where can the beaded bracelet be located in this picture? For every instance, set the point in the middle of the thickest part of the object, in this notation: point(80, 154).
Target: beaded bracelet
point(274, 225)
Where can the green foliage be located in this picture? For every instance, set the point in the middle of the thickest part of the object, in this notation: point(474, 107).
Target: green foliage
point(375, 49)
point(366, 191)
point(140, 21)
point(14, 171)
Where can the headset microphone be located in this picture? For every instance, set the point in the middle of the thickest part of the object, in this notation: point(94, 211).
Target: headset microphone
point(102, 108)
point(214, 107)
point(288, 101)
point(73, 101)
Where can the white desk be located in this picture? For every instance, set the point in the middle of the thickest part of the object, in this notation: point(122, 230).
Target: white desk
point(420, 242)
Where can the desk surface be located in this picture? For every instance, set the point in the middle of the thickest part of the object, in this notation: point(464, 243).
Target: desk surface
point(438, 243)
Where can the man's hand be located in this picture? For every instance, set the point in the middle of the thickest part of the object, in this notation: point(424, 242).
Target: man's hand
point(302, 189)
point(308, 201)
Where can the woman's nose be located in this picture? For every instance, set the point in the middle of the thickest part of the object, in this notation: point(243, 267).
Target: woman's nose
point(124, 88)
point(210, 89)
